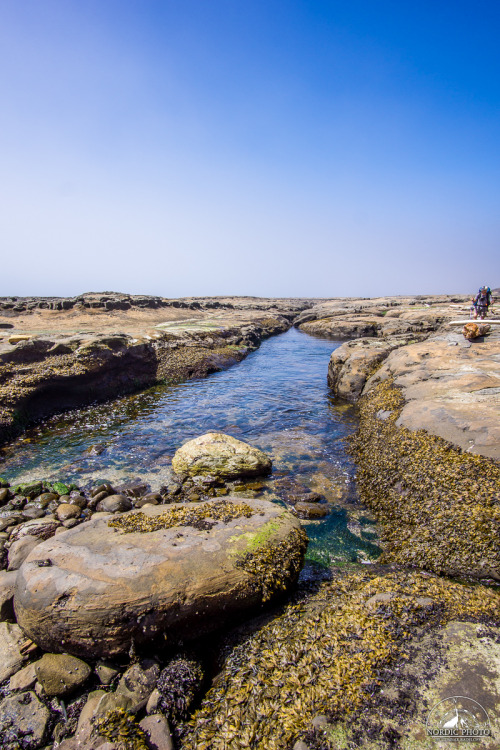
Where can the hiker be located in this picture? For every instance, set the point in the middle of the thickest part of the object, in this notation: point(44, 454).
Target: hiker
point(482, 301)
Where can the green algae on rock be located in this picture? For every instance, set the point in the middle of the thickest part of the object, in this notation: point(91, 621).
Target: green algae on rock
point(273, 565)
point(439, 507)
point(325, 655)
point(198, 516)
point(102, 590)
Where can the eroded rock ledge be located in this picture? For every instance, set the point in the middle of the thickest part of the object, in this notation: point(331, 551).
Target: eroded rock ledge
point(428, 445)
point(57, 354)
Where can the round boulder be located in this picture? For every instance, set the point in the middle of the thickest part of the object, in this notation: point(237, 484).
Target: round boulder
point(165, 573)
point(221, 456)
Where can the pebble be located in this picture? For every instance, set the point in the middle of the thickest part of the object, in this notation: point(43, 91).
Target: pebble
point(68, 510)
point(24, 679)
point(158, 732)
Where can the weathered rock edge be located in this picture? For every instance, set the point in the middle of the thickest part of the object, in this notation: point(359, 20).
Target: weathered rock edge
point(93, 591)
point(40, 377)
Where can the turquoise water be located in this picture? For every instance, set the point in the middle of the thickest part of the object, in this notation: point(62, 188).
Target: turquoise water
point(276, 399)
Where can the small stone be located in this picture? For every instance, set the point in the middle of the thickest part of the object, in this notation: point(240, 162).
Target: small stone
point(42, 528)
point(114, 504)
point(4, 495)
point(79, 500)
point(19, 551)
point(300, 745)
point(158, 732)
point(68, 510)
point(45, 499)
point(106, 672)
point(102, 488)
point(60, 674)
point(138, 682)
point(153, 702)
point(7, 588)
point(24, 679)
point(70, 523)
point(12, 639)
point(25, 716)
point(64, 499)
point(311, 510)
point(379, 599)
point(153, 498)
point(320, 721)
point(31, 511)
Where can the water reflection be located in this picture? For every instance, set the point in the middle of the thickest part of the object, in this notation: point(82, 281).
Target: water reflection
point(276, 399)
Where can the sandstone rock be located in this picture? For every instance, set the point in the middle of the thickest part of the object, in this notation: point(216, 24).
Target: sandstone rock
point(450, 391)
point(220, 455)
point(20, 549)
point(24, 679)
point(12, 639)
point(23, 715)
point(7, 588)
point(114, 504)
point(158, 732)
point(351, 364)
point(138, 682)
point(60, 674)
point(106, 589)
point(65, 511)
point(41, 528)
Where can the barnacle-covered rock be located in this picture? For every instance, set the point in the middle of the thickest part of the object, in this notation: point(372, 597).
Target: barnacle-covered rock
point(220, 455)
point(178, 684)
point(159, 573)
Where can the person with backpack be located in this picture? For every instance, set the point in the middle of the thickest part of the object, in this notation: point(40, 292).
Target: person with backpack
point(482, 301)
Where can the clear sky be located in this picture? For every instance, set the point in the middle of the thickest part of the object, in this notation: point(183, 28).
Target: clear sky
point(255, 147)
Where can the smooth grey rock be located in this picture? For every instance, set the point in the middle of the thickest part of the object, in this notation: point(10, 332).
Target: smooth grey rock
point(114, 504)
point(153, 701)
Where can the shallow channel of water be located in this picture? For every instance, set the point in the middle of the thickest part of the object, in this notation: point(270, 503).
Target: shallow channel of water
point(276, 399)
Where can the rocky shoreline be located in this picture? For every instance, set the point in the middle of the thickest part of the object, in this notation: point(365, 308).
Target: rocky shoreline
point(59, 354)
point(354, 657)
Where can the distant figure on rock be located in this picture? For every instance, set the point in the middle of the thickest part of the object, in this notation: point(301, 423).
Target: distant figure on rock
point(482, 301)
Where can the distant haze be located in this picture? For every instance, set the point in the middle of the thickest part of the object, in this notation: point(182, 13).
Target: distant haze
point(272, 147)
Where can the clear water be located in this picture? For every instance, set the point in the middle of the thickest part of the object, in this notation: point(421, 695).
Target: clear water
point(276, 399)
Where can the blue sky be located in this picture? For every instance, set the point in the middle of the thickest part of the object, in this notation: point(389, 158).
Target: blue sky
point(266, 147)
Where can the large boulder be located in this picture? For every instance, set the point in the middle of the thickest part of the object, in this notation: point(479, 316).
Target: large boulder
point(220, 455)
point(158, 573)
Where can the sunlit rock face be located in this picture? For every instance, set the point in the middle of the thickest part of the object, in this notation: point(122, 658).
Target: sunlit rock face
point(222, 456)
point(156, 574)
